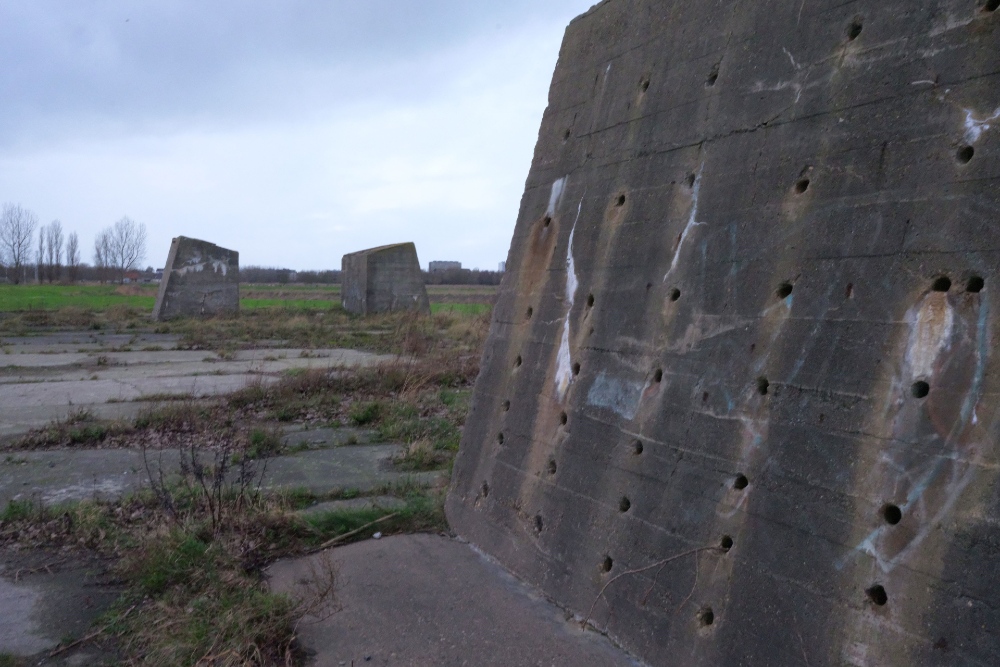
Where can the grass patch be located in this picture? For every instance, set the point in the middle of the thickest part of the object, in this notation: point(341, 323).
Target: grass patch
point(461, 308)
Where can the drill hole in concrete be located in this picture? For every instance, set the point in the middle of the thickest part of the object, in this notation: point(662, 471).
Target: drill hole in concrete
point(706, 617)
point(486, 490)
point(539, 524)
point(644, 85)
point(624, 504)
point(849, 292)
point(547, 221)
point(517, 362)
point(704, 397)
point(528, 313)
point(563, 418)
point(713, 76)
point(892, 514)
point(566, 135)
point(741, 482)
point(877, 595)
point(607, 564)
point(920, 389)
point(762, 386)
point(784, 290)
point(964, 154)
point(506, 406)
point(658, 376)
point(976, 283)
point(576, 369)
point(552, 466)
point(620, 201)
point(675, 294)
point(726, 543)
point(991, 5)
point(590, 301)
point(690, 181)
point(637, 447)
point(801, 186)
point(854, 30)
point(941, 284)
point(500, 438)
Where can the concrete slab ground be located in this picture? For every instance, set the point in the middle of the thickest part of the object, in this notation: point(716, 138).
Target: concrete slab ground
point(63, 475)
point(430, 600)
point(46, 377)
point(46, 597)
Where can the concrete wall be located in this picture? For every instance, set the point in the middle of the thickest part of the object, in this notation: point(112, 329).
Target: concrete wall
point(382, 280)
point(199, 279)
point(743, 368)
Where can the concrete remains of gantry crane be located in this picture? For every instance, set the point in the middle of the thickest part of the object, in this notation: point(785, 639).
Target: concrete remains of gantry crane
point(383, 280)
point(199, 279)
point(740, 401)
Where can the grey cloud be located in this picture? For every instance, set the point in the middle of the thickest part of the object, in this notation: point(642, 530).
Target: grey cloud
point(75, 66)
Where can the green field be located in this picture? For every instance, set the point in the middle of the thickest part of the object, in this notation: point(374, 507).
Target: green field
point(461, 299)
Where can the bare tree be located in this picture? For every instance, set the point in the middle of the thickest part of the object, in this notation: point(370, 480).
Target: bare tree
point(17, 224)
point(128, 246)
point(72, 256)
point(40, 257)
point(53, 250)
point(102, 254)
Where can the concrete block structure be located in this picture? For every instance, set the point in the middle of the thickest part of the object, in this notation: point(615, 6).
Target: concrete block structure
point(200, 279)
point(383, 280)
point(740, 401)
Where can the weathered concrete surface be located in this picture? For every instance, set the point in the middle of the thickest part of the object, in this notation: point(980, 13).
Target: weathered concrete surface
point(428, 600)
point(44, 378)
point(752, 300)
point(66, 475)
point(47, 597)
point(384, 279)
point(199, 279)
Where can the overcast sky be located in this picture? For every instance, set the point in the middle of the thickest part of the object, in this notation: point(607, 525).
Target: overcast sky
point(291, 131)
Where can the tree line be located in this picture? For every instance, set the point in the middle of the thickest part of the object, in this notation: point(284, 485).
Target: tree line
point(273, 275)
point(53, 257)
point(119, 249)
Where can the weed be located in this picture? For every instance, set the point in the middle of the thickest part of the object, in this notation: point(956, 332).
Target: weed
point(366, 413)
point(263, 442)
point(17, 510)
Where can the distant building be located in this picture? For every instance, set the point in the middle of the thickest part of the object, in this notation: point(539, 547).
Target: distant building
point(444, 266)
point(503, 267)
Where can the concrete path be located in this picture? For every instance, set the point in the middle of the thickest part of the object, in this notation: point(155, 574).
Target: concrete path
point(48, 376)
point(429, 600)
point(63, 475)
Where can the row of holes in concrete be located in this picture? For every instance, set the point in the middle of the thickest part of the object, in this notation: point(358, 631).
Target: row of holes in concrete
point(919, 389)
point(973, 285)
point(891, 514)
point(964, 154)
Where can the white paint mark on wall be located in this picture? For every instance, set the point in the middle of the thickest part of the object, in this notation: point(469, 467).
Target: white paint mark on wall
point(564, 359)
point(792, 58)
point(555, 196)
point(930, 333)
point(974, 127)
point(621, 396)
point(217, 265)
point(692, 221)
point(195, 263)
